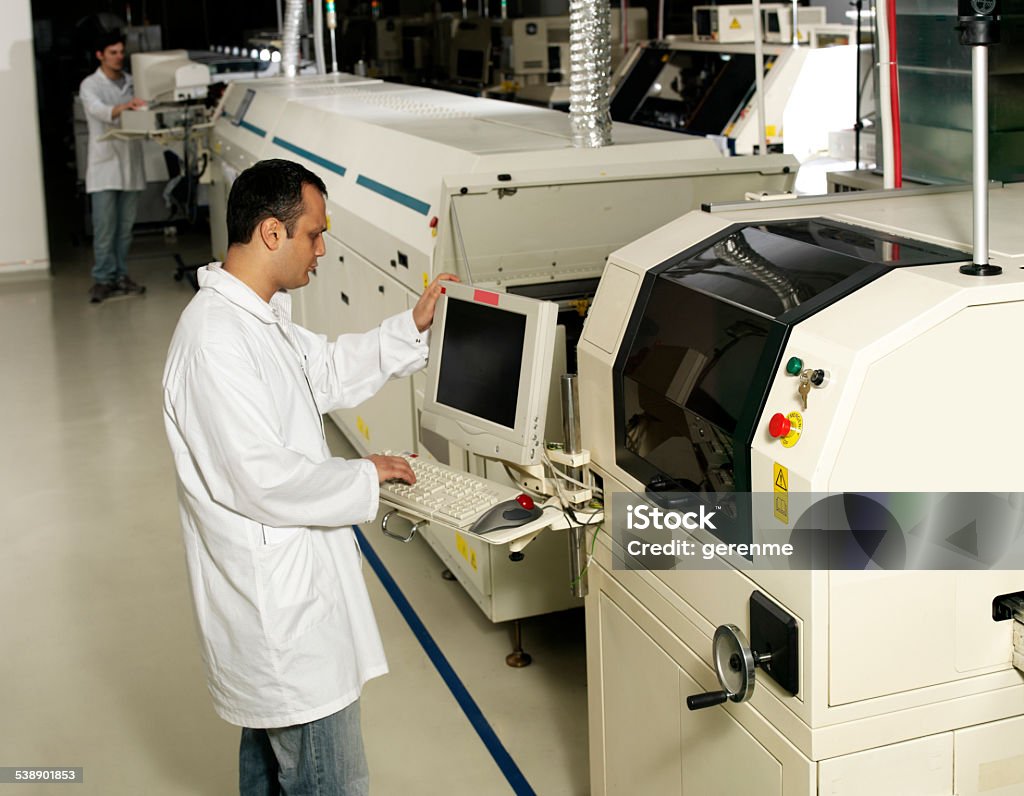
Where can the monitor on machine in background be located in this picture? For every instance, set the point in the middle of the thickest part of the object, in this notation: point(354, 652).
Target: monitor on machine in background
point(471, 51)
point(489, 372)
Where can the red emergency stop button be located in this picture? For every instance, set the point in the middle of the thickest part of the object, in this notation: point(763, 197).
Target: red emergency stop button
point(779, 425)
point(525, 501)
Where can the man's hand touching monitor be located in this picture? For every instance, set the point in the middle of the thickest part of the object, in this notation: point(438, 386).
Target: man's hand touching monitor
point(423, 312)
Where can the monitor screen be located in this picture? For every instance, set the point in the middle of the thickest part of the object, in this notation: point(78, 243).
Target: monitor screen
point(489, 372)
point(702, 22)
point(469, 65)
point(481, 357)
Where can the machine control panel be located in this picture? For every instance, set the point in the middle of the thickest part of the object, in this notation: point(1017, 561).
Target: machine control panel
point(786, 428)
point(809, 378)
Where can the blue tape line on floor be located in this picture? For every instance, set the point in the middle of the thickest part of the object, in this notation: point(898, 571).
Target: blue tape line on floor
point(451, 679)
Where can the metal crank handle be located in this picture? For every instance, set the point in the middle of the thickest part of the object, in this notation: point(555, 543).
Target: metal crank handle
point(710, 699)
point(416, 525)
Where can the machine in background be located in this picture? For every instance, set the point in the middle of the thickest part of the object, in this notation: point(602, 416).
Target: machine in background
point(708, 89)
point(181, 90)
point(882, 681)
point(936, 136)
point(538, 71)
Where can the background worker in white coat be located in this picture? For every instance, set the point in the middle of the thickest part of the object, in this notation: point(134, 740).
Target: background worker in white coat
point(288, 634)
point(114, 173)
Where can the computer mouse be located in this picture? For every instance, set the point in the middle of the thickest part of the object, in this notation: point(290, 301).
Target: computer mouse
point(507, 514)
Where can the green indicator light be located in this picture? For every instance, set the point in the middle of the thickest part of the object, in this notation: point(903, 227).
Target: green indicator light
point(794, 366)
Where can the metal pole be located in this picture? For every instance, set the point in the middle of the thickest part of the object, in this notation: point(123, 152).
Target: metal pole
point(571, 419)
point(796, 32)
point(570, 412)
point(979, 105)
point(856, 123)
point(661, 19)
point(979, 28)
point(570, 395)
point(762, 121)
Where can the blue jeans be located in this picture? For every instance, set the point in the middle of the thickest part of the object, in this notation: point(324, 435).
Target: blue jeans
point(113, 216)
point(322, 758)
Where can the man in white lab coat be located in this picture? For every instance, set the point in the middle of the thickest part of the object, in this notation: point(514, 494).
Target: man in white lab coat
point(114, 175)
point(288, 634)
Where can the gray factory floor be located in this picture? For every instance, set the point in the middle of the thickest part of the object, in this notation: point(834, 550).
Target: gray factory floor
point(99, 662)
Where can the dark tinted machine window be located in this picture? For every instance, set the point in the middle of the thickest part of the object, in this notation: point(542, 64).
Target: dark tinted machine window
point(706, 342)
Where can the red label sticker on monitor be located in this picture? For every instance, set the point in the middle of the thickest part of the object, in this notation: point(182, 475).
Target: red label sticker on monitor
point(485, 297)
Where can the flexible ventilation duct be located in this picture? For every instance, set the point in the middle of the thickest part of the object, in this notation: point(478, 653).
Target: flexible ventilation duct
point(292, 25)
point(590, 56)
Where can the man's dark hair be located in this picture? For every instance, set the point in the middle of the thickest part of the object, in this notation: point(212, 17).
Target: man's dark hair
point(268, 189)
point(108, 38)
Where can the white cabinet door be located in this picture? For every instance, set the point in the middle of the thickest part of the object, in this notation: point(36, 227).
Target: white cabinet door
point(652, 743)
point(641, 709)
point(354, 296)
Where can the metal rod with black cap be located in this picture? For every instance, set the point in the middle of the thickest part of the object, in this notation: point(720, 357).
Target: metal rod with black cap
point(978, 23)
point(571, 431)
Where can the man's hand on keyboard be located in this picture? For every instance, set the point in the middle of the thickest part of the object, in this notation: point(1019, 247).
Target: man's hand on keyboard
point(390, 468)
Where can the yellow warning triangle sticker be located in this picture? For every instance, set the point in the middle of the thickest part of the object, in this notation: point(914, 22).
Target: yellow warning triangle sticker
point(780, 481)
point(735, 24)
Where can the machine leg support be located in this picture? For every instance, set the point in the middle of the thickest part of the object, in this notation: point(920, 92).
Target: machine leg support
point(517, 659)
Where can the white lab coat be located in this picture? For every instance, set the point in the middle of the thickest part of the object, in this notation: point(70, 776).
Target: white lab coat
point(112, 165)
point(288, 634)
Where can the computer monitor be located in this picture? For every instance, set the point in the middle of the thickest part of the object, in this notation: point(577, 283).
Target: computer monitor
point(489, 372)
point(471, 51)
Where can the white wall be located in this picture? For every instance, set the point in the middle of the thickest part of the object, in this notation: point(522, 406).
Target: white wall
point(23, 244)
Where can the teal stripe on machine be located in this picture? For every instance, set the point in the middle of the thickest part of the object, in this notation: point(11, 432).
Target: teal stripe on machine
point(394, 195)
point(252, 128)
point(310, 156)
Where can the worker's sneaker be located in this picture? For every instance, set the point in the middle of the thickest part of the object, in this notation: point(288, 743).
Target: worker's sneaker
point(100, 291)
point(127, 287)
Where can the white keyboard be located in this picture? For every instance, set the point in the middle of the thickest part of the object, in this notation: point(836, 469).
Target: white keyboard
point(444, 494)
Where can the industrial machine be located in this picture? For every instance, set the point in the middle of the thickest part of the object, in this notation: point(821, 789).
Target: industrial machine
point(777, 23)
point(169, 76)
point(176, 85)
point(934, 135)
point(539, 66)
point(836, 35)
point(710, 89)
point(725, 24)
point(784, 351)
point(421, 182)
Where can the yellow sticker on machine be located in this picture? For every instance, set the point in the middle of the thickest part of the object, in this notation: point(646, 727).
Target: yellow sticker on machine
point(363, 428)
point(735, 24)
point(780, 486)
point(465, 550)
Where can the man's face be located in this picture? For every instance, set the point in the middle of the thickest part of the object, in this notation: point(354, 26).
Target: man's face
point(298, 254)
point(112, 58)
